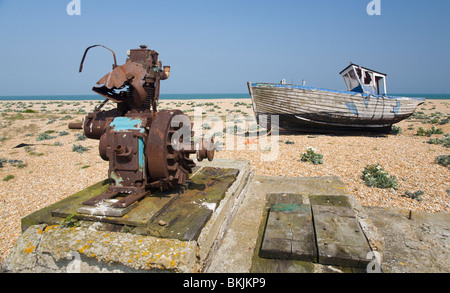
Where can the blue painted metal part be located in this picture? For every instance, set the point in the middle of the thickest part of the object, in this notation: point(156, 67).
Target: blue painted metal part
point(124, 124)
point(141, 154)
point(127, 124)
point(117, 179)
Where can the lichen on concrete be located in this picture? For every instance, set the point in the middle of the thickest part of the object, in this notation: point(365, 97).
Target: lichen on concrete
point(40, 249)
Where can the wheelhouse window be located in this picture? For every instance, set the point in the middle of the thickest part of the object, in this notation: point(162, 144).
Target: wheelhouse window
point(367, 78)
point(380, 82)
point(354, 82)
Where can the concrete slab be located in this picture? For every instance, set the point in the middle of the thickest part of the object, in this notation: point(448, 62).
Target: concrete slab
point(56, 249)
point(113, 247)
point(333, 200)
point(212, 235)
point(420, 244)
point(229, 241)
point(239, 248)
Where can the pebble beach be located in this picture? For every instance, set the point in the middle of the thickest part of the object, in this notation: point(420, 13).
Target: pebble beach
point(58, 162)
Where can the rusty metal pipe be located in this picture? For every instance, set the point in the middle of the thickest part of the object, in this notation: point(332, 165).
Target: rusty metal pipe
point(76, 125)
point(119, 149)
point(205, 149)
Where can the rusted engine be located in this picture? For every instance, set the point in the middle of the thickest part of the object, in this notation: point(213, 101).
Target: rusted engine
point(146, 148)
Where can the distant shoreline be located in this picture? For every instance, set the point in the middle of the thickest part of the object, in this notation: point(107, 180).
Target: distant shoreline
point(98, 97)
point(169, 97)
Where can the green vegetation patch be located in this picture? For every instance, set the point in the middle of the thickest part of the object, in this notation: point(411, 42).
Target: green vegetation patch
point(312, 157)
point(79, 149)
point(396, 130)
point(433, 130)
point(416, 195)
point(445, 141)
point(376, 176)
point(443, 160)
point(8, 177)
point(44, 136)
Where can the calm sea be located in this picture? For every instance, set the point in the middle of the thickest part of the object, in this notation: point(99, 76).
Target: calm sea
point(184, 97)
point(98, 97)
point(427, 96)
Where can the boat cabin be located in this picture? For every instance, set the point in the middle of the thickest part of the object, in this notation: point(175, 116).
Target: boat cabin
point(363, 80)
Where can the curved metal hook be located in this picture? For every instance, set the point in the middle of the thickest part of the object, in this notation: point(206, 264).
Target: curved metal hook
point(87, 49)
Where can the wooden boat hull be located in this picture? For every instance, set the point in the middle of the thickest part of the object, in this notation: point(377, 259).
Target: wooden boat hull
point(314, 109)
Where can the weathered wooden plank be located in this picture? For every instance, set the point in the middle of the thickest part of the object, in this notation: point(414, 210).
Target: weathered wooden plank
point(266, 265)
point(340, 240)
point(188, 214)
point(150, 207)
point(200, 190)
point(289, 232)
point(45, 215)
point(105, 208)
point(272, 265)
point(139, 216)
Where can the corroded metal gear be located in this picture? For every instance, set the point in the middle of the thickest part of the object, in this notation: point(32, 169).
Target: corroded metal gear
point(168, 165)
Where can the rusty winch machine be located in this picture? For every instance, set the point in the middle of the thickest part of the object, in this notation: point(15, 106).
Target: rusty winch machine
point(147, 149)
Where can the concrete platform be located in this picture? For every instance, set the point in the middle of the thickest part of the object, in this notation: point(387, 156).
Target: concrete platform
point(414, 243)
point(179, 214)
point(221, 231)
point(177, 232)
point(240, 252)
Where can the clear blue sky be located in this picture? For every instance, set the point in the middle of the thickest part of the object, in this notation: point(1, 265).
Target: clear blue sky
point(217, 46)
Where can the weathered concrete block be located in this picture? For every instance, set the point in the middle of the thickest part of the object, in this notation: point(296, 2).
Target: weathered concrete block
point(125, 244)
point(56, 249)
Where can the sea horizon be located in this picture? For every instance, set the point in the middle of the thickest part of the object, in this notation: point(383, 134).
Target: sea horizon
point(98, 97)
point(211, 96)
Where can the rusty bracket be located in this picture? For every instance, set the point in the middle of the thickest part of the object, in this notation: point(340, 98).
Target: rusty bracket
point(88, 48)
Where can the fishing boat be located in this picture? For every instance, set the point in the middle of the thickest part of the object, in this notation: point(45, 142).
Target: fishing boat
point(365, 104)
